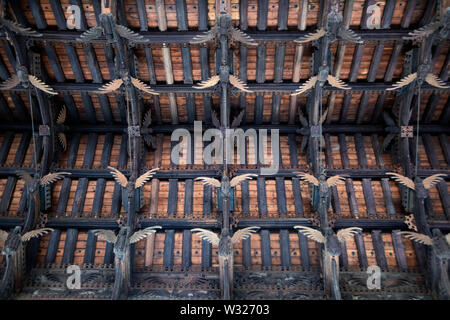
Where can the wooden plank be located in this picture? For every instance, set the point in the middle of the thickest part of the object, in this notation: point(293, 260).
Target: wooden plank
point(245, 197)
point(37, 13)
point(281, 196)
point(109, 254)
point(173, 194)
point(142, 13)
point(168, 248)
point(74, 63)
point(80, 197)
point(387, 196)
point(263, 8)
point(283, 12)
point(69, 246)
point(351, 197)
point(207, 200)
point(149, 249)
point(89, 253)
point(298, 202)
point(376, 149)
point(293, 156)
point(285, 249)
point(52, 247)
point(304, 251)
point(180, 6)
point(399, 250)
point(429, 148)
point(443, 139)
point(259, 108)
point(202, 15)
point(378, 247)
point(262, 200)
point(188, 196)
point(206, 254)
point(388, 12)
point(6, 145)
point(361, 249)
point(266, 254)
point(186, 253)
point(356, 61)
point(276, 103)
point(261, 64)
point(343, 258)
point(63, 196)
point(445, 198)
point(54, 62)
point(368, 196)
point(360, 152)
point(343, 151)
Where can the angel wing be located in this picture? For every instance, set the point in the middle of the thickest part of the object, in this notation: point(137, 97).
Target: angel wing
point(311, 36)
point(52, 177)
point(62, 139)
point(237, 121)
point(62, 116)
point(447, 237)
point(147, 119)
point(207, 235)
point(25, 176)
point(110, 86)
point(402, 179)
point(141, 234)
point(17, 28)
point(238, 179)
point(425, 31)
point(120, 178)
point(431, 181)
point(215, 119)
point(209, 181)
point(236, 82)
point(334, 180)
point(311, 233)
point(107, 235)
point(126, 33)
point(211, 82)
point(41, 85)
point(4, 235)
point(335, 82)
point(308, 177)
point(242, 37)
point(206, 36)
point(145, 177)
point(91, 34)
point(243, 234)
point(35, 233)
point(435, 81)
point(418, 237)
point(143, 87)
point(310, 83)
point(346, 233)
point(403, 82)
point(10, 82)
point(349, 35)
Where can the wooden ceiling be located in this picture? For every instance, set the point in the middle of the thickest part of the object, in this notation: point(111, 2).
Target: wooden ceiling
point(358, 127)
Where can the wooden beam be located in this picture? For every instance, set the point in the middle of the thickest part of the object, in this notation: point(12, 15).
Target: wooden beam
point(168, 248)
point(69, 246)
point(266, 254)
point(52, 247)
point(378, 247)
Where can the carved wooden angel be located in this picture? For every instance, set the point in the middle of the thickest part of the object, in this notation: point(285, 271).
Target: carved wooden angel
point(440, 26)
point(131, 187)
point(321, 188)
point(225, 243)
point(423, 74)
point(333, 29)
point(420, 186)
point(438, 262)
point(12, 26)
point(321, 78)
point(35, 198)
point(223, 26)
point(122, 265)
point(225, 188)
point(14, 252)
point(332, 251)
point(26, 80)
point(214, 80)
point(126, 80)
